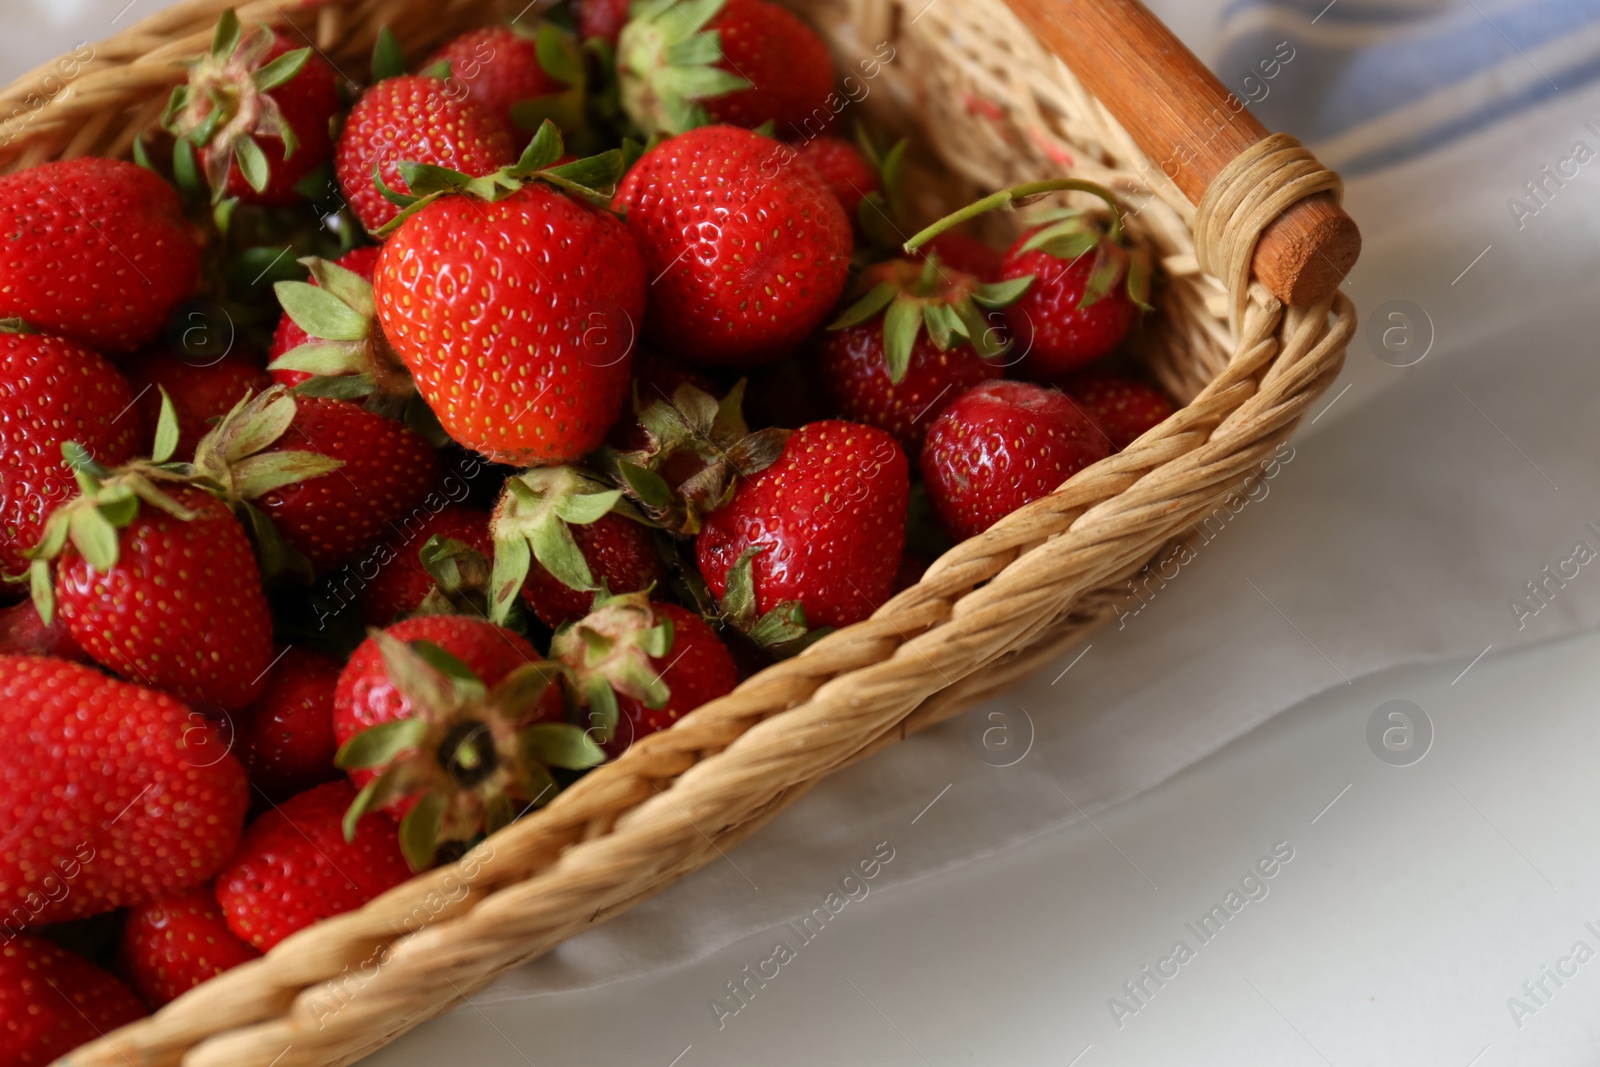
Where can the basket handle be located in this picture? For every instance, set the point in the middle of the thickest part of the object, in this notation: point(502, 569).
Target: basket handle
point(1178, 112)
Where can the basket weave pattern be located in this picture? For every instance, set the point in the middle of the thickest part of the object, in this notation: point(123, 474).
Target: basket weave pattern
point(991, 107)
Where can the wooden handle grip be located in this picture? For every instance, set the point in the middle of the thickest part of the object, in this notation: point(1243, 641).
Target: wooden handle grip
point(1190, 125)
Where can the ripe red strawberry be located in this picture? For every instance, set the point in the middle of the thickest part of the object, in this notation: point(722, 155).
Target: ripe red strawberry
point(602, 19)
point(643, 666)
point(416, 119)
point(53, 391)
point(458, 749)
point(98, 251)
point(740, 62)
point(288, 335)
point(115, 794)
point(23, 633)
point(257, 105)
point(748, 254)
point(619, 552)
point(1124, 407)
point(201, 392)
point(402, 581)
point(367, 471)
point(172, 601)
point(966, 254)
point(285, 739)
point(52, 1001)
point(497, 68)
point(1000, 446)
point(824, 526)
point(294, 866)
point(517, 319)
point(171, 945)
point(1081, 302)
point(843, 169)
point(857, 377)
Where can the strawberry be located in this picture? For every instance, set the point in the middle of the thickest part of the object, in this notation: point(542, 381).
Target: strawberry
point(115, 794)
point(258, 109)
point(1123, 407)
point(420, 120)
point(842, 168)
point(159, 586)
point(201, 393)
point(515, 307)
point(822, 528)
point(1003, 445)
point(285, 739)
point(967, 254)
point(98, 251)
point(602, 19)
point(295, 867)
point(655, 377)
point(460, 751)
point(883, 368)
point(171, 945)
point(367, 354)
point(403, 580)
point(24, 633)
point(52, 1001)
point(497, 68)
point(642, 666)
point(53, 391)
point(336, 473)
point(749, 252)
point(740, 62)
point(558, 538)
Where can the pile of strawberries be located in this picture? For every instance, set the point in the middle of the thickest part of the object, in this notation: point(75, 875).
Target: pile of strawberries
point(379, 460)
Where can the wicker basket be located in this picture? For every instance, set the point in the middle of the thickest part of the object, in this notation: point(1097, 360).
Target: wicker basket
point(993, 107)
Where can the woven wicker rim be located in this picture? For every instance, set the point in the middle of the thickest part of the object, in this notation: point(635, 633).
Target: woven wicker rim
point(986, 614)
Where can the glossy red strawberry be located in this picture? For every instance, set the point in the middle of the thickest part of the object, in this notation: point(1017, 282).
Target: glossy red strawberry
point(115, 794)
point(659, 662)
point(748, 254)
point(171, 945)
point(767, 66)
point(857, 377)
point(1124, 407)
point(288, 335)
point(416, 119)
point(97, 250)
point(294, 866)
point(402, 581)
point(52, 1001)
point(620, 552)
point(517, 319)
point(1077, 309)
point(285, 739)
point(825, 524)
point(842, 167)
point(202, 392)
point(1003, 445)
point(53, 391)
point(180, 607)
point(258, 106)
point(496, 67)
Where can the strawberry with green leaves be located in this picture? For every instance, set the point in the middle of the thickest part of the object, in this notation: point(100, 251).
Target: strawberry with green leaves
point(814, 539)
point(427, 561)
point(522, 76)
point(639, 666)
point(257, 107)
point(201, 392)
point(52, 1001)
point(514, 300)
point(115, 794)
point(918, 338)
point(295, 866)
point(108, 252)
point(740, 62)
point(460, 751)
point(748, 249)
point(171, 945)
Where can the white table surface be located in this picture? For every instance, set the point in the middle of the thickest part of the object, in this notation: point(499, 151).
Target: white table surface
point(1418, 901)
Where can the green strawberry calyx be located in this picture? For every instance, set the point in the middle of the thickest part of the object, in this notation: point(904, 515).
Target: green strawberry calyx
point(461, 578)
point(667, 65)
point(911, 296)
point(533, 520)
point(1068, 234)
point(227, 103)
point(591, 179)
point(470, 754)
point(346, 353)
point(697, 448)
point(610, 651)
point(781, 630)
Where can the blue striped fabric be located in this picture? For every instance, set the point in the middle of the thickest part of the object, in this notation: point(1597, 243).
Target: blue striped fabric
point(1369, 83)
